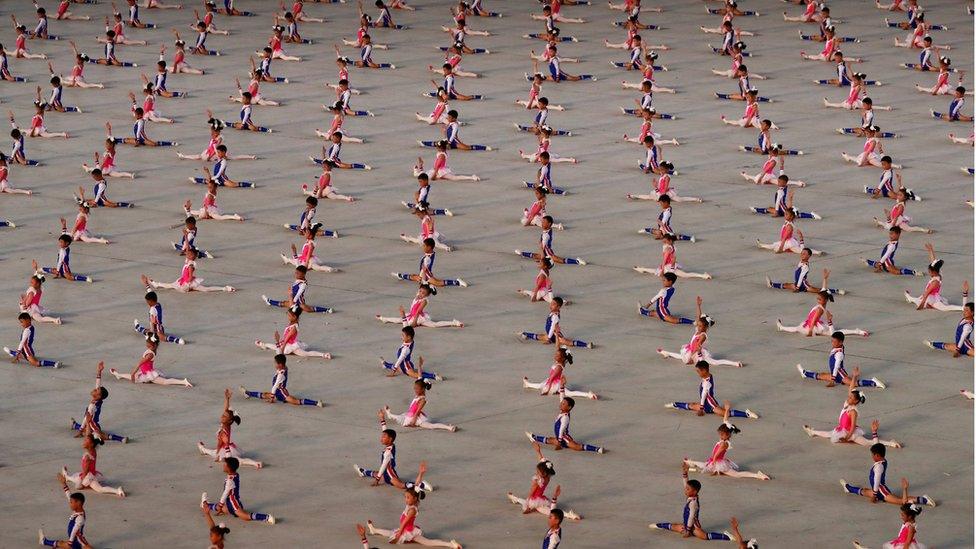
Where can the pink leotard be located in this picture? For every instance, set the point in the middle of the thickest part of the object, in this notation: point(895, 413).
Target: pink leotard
point(186, 274)
point(146, 365)
point(816, 313)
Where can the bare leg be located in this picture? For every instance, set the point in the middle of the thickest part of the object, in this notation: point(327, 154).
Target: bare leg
point(304, 352)
point(171, 381)
point(425, 424)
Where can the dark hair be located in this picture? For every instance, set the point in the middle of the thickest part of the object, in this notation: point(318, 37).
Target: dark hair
point(570, 402)
point(671, 277)
point(911, 509)
point(558, 513)
point(896, 229)
point(280, 358)
point(430, 242)
point(232, 463)
point(66, 238)
point(302, 269)
point(784, 178)
point(867, 101)
point(936, 265)
point(424, 383)
point(859, 396)
point(694, 484)
point(702, 365)
point(729, 428)
point(452, 113)
point(102, 393)
point(151, 296)
point(558, 301)
point(310, 200)
point(543, 100)
point(408, 330)
point(423, 176)
point(961, 89)
point(78, 496)
point(567, 356)
point(839, 336)
point(970, 306)
point(545, 467)
point(548, 218)
point(390, 433)
point(222, 148)
point(219, 530)
point(95, 440)
point(878, 449)
point(664, 198)
point(826, 295)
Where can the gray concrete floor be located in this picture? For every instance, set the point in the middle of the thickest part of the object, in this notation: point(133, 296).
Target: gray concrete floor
point(308, 481)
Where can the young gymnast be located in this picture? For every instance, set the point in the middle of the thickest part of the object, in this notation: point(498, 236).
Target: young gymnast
point(188, 281)
point(896, 216)
point(657, 307)
point(407, 531)
point(533, 215)
point(855, 96)
point(288, 343)
point(88, 476)
point(217, 531)
point(750, 117)
point(296, 295)
point(878, 491)
point(139, 136)
point(332, 154)
point(226, 449)
point(307, 257)
point(556, 73)
point(179, 57)
point(20, 44)
point(844, 74)
point(440, 169)
point(963, 344)
point(782, 201)
point(279, 388)
point(37, 127)
point(404, 362)
point(553, 333)
point(25, 348)
point(535, 101)
point(664, 222)
point(717, 464)
point(831, 41)
point(800, 278)
point(106, 162)
point(931, 297)
point(415, 416)
point(109, 59)
point(560, 430)
point(99, 198)
point(669, 262)
point(737, 51)
point(647, 129)
point(542, 291)
point(907, 534)
point(452, 134)
point(439, 114)
point(707, 403)
point(690, 525)
point(418, 315)
point(229, 9)
point(556, 383)
point(145, 370)
point(90, 424)
point(787, 242)
point(427, 230)
point(694, 351)
point(216, 140)
point(230, 500)
point(323, 188)
point(76, 523)
point(941, 86)
point(338, 110)
point(886, 262)
point(155, 324)
point(209, 208)
point(30, 300)
point(886, 186)
point(536, 501)
point(847, 430)
point(837, 374)
point(955, 108)
point(79, 232)
point(387, 473)
point(742, 74)
point(245, 124)
point(819, 321)
point(188, 236)
point(5, 68)
point(426, 269)
point(62, 268)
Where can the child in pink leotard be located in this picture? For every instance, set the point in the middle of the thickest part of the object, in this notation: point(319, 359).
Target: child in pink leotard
point(718, 463)
point(537, 501)
point(415, 416)
point(555, 384)
point(145, 371)
point(847, 430)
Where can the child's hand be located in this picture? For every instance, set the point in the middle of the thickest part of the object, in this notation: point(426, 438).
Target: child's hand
point(100, 367)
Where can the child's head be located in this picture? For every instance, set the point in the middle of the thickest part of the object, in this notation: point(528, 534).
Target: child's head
point(886, 162)
point(151, 298)
point(566, 404)
point(704, 322)
point(294, 313)
point(423, 179)
point(665, 201)
point(547, 222)
point(909, 511)
point(668, 279)
point(414, 493)
point(935, 267)
point(77, 502)
point(556, 304)
point(894, 233)
point(281, 361)
point(217, 532)
point(692, 487)
point(960, 92)
point(229, 416)
point(407, 333)
point(64, 241)
point(837, 340)
point(563, 356)
point(452, 115)
point(387, 437)
point(421, 386)
point(555, 518)
point(726, 430)
point(231, 465)
point(311, 202)
point(25, 319)
point(823, 296)
point(545, 468)
point(855, 397)
point(878, 451)
point(544, 157)
point(300, 272)
point(90, 443)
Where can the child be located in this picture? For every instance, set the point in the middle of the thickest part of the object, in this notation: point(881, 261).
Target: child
point(145, 371)
point(79, 233)
point(25, 348)
point(669, 262)
point(279, 388)
point(323, 187)
point(179, 58)
point(690, 526)
point(707, 403)
point(560, 430)
point(155, 324)
point(800, 275)
point(387, 472)
point(835, 362)
point(782, 201)
point(657, 307)
point(209, 209)
point(963, 344)
point(404, 361)
point(216, 139)
point(545, 246)
point(230, 499)
point(332, 155)
point(878, 491)
point(717, 464)
point(554, 535)
point(554, 333)
point(543, 284)
point(819, 321)
point(955, 106)
point(787, 242)
point(555, 384)
point(896, 216)
point(76, 523)
point(107, 162)
point(765, 176)
point(90, 423)
point(226, 449)
point(63, 267)
point(440, 169)
point(695, 350)
point(296, 295)
point(30, 300)
point(886, 262)
point(907, 534)
point(426, 274)
point(219, 175)
point(407, 532)
point(931, 297)
point(88, 476)
point(537, 501)
point(188, 281)
point(415, 416)
point(427, 231)
point(664, 221)
point(418, 315)
point(847, 430)
point(288, 343)
point(217, 531)
point(308, 257)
